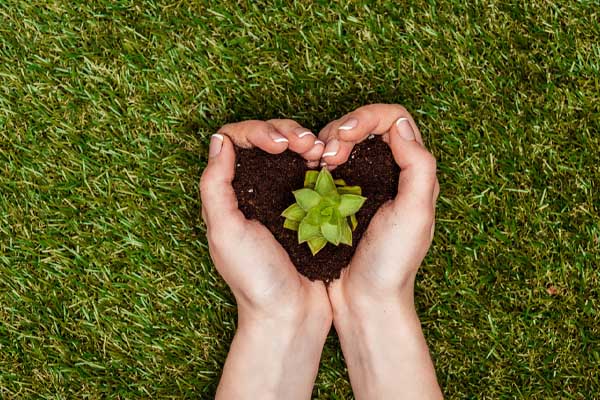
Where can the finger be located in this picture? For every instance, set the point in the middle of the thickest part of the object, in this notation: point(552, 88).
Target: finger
point(313, 155)
point(417, 167)
point(373, 119)
point(219, 203)
point(300, 139)
point(336, 151)
point(254, 133)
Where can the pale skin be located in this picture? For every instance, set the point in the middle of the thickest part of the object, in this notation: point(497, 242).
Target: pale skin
point(283, 318)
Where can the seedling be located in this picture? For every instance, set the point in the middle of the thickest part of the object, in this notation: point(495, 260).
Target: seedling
point(324, 211)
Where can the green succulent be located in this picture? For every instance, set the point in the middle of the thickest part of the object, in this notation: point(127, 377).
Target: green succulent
point(324, 211)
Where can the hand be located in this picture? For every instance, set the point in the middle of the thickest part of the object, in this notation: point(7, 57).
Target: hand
point(373, 300)
point(283, 318)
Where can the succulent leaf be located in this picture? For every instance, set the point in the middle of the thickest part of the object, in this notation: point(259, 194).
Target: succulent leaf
point(316, 244)
point(350, 204)
point(353, 222)
point(324, 184)
point(307, 198)
point(332, 230)
point(307, 231)
point(325, 211)
point(294, 212)
point(350, 190)
point(313, 217)
point(346, 237)
point(291, 224)
point(310, 179)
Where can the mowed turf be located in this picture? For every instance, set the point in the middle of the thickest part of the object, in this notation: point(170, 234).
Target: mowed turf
point(106, 286)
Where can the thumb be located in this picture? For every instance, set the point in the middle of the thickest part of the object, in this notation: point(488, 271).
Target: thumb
point(219, 203)
point(417, 167)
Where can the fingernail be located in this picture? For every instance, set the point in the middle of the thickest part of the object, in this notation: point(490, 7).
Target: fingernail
point(323, 164)
point(319, 142)
point(216, 143)
point(277, 138)
point(332, 148)
point(350, 124)
point(404, 129)
point(300, 132)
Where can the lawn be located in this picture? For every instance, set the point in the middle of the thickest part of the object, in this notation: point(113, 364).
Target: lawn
point(106, 286)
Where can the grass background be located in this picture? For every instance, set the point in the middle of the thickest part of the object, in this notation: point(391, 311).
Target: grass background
point(106, 287)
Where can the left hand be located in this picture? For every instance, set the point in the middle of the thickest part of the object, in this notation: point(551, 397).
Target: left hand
point(256, 267)
point(283, 317)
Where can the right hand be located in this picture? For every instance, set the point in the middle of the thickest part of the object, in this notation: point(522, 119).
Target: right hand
point(399, 235)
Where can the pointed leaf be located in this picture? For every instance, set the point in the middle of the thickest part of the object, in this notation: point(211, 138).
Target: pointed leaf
point(331, 230)
point(294, 212)
point(353, 221)
point(310, 179)
point(307, 198)
point(316, 244)
point(291, 224)
point(331, 199)
point(350, 190)
point(346, 236)
point(307, 231)
point(324, 183)
point(340, 182)
point(350, 204)
point(314, 217)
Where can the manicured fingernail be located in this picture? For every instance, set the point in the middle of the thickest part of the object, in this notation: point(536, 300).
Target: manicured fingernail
point(216, 143)
point(301, 132)
point(319, 142)
point(277, 138)
point(404, 129)
point(350, 124)
point(323, 164)
point(332, 148)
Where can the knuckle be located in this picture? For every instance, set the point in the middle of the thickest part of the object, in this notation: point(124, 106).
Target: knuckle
point(205, 183)
point(282, 121)
point(238, 132)
point(428, 162)
point(400, 109)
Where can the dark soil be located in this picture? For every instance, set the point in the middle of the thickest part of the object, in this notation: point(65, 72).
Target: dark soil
point(264, 183)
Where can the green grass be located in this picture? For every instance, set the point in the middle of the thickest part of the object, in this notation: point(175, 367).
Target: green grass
point(106, 287)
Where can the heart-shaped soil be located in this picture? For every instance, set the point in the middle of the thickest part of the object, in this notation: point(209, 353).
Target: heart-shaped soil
point(264, 183)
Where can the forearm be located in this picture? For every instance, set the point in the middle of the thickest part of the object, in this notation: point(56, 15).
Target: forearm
point(271, 359)
point(385, 351)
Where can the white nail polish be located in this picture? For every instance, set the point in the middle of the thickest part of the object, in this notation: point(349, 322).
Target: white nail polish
point(401, 120)
point(323, 164)
point(280, 140)
point(319, 142)
point(350, 124)
point(218, 136)
point(329, 154)
point(305, 134)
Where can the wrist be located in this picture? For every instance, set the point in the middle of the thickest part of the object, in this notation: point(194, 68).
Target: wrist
point(361, 303)
point(302, 325)
point(274, 358)
point(383, 345)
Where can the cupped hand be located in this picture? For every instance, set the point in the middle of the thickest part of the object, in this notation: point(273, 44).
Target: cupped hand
point(258, 270)
point(373, 301)
point(399, 235)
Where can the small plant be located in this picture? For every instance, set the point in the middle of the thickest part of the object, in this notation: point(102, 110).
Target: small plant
point(324, 211)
